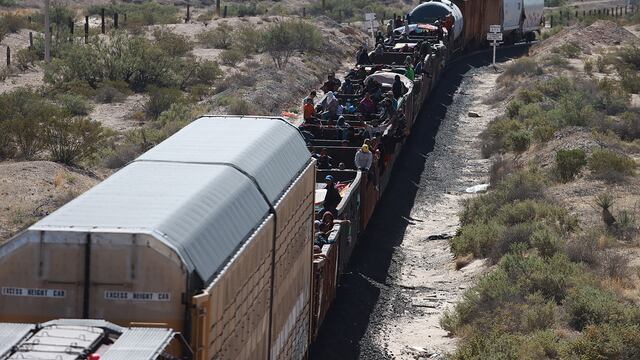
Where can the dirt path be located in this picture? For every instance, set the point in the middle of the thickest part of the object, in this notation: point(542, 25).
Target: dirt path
point(426, 279)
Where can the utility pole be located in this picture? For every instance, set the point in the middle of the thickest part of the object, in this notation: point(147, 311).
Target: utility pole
point(47, 33)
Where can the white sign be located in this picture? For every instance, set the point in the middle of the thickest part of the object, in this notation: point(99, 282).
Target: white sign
point(494, 36)
point(44, 293)
point(370, 16)
point(136, 296)
point(495, 28)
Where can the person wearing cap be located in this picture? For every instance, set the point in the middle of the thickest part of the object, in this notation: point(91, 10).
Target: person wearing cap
point(363, 158)
point(333, 197)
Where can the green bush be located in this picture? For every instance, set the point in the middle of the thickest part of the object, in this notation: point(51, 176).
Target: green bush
point(72, 140)
point(538, 314)
point(219, 38)
point(524, 66)
point(25, 59)
point(587, 305)
point(74, 104)
point(12, 23)
point(231, 57)
point(108, 93)
point(570, 50)
point(248, 39)
point(530, 96)
point(519, 141)
point(140, 13)
point(617, 341)
point(172, 43)
point(569, 163)
point(630, 81)
point(284, 38)
point(477, 239)
point(588, 67)
point(161, 99)
point(239, 106)
point(608, 165)
point(630, 55)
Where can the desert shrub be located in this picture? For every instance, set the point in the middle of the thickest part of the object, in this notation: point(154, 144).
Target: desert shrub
point(242, 10)
point(496, 135)
point(569, 163)
point(570, 50)
point(219, 38)
point(12, 23)
point(588, 305)
point(601, 64)
point(109, 92)
point(588, 66)
point(239, 106)
point(630, 55)
point(524, 66)
point(615, 265)
point(72, 140)
point(248, 39)
point(539, 314)
point(501, 167)
point(530, 96)
point(514, 239)
point(202, 72)
point(630, 81)
point(477, 239)
point(543, 133)
point(629, 126)
point(172, 43)
point(284, 38)
point(606, 341)
point(546, 241)
point(513, 108)
point(231, 57)
point(556, 60)
point(74, 104)
point(626, 228)
point(519, 141)
point(556, 87)
point(608, 165)
point(161, 99)
point(584, 248)
point(554, 3)
point(25, 59)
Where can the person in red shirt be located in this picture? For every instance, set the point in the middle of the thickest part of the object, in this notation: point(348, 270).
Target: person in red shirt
point(308, 108)
point(367, 106)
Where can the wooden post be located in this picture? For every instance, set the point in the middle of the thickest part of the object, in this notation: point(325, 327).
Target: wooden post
point(625, 9)
point(550, 21)
point(29, 17)
point(47, 33)
point(86, 29)
point(115, 20)
point(218, 8)
point(8, 56)
point(584, 13)
point(304, 12)
point(102, 17)
point(576, 14)
point(30, 40)
point(224, 12)
point(186, 19)
point(323, 4)
point(125, 18)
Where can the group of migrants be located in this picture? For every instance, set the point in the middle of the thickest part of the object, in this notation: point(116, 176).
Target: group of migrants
point(364, 113)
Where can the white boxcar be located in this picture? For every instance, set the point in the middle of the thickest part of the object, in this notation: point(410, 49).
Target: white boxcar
point(208, 233)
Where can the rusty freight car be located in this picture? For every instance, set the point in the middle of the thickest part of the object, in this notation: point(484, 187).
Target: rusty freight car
point(208, 233)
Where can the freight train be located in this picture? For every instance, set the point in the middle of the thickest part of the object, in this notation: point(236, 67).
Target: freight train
point(211, 233)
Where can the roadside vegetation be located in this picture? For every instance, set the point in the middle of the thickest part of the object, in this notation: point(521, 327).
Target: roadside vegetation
point(562, 283)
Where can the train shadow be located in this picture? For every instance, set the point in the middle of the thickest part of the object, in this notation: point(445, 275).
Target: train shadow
point(362, 284)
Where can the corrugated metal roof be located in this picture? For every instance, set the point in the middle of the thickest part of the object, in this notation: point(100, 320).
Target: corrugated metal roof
point(139, 344)
point(11, 334)
point(203, 211)
point(269, 149)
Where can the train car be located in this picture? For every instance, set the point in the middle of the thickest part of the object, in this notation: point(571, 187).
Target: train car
point(209, 233)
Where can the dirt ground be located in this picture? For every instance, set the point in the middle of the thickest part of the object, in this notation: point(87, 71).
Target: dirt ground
point(32, 189)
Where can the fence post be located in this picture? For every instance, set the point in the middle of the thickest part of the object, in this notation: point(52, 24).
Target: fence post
point(584, 13)
point(304, 12)
point(550, 21)
point(30, 40)
point(103, 28)
point(576, 14)
point(218, 8)
point(8, 56)
point(224, 12)
point(323, 5)
point(186, 20)
point(86, 29)
point(115, 20)
point(125, 18)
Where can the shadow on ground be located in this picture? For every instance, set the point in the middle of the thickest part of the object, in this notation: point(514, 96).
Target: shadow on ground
point(341, 335)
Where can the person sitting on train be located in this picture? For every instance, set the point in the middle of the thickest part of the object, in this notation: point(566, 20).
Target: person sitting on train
point(379, 38)
point(390, 28)
point(363, 158)
point(341, 126)
point(361, 74)
point(331, 85)
point(309, 111)
point(332, 198)
point(408, 68)
point(330, 107)
point(448, 22)
point(367, 106)
point(418, 69)
point(324, 161)
point(362, 56)
point(347, 87)
point(399, 22)
point(327, 223)
point(398, 88)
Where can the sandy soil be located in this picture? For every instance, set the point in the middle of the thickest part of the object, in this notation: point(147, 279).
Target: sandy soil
point(43, 187)
point(427, 275)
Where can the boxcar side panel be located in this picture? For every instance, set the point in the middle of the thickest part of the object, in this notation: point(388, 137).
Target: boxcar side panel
point(231, 317)
point(292, 273)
